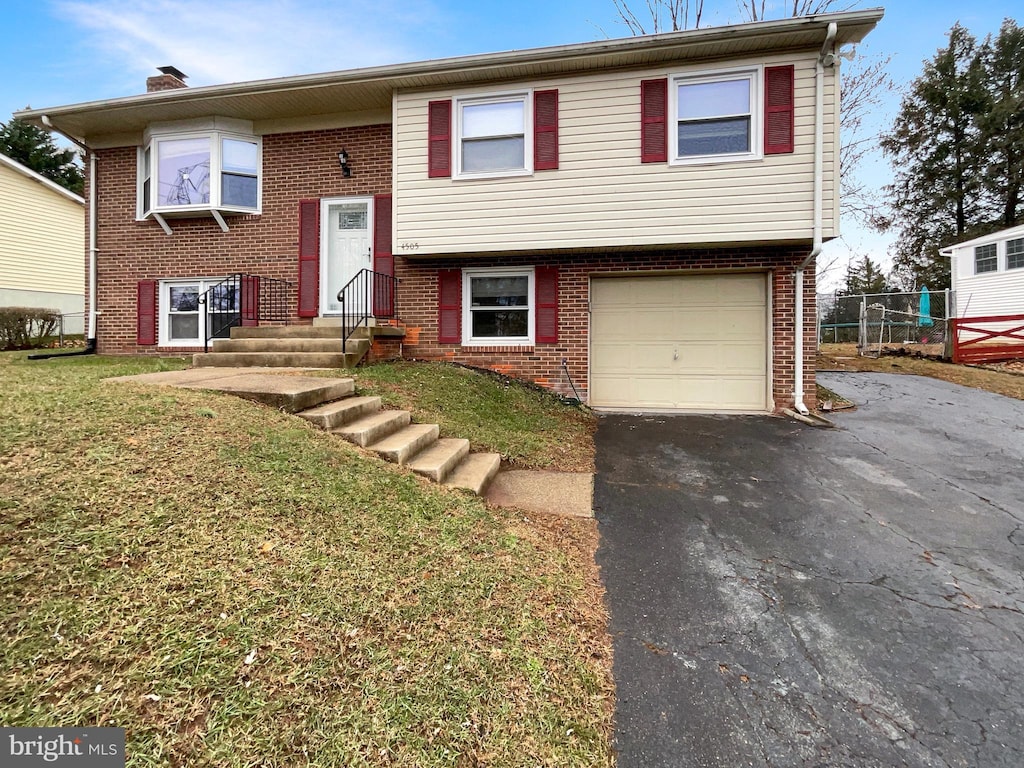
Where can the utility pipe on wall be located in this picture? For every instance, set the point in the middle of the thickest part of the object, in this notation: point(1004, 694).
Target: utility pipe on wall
point(90, 336)
point(826, 58)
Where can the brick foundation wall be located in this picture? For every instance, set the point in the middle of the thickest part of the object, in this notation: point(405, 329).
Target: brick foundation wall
point(543, 363)
point(296, 166)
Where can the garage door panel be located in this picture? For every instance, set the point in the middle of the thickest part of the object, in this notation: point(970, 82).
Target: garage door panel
point(695, 342)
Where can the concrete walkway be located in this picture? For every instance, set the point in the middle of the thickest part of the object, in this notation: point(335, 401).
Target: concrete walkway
point(561, 493)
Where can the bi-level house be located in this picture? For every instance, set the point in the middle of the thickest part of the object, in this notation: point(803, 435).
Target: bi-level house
point(631, 220)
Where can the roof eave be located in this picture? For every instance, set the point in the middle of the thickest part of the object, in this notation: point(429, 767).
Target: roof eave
point(853, 26)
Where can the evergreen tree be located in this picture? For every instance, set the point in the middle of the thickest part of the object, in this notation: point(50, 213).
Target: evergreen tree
point(935, 145)
point(864, 276)
point(35, 149)
point(1002, 126)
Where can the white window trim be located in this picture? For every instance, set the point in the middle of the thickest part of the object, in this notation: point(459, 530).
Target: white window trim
point(216, 139)
point(467, 310)
point(999, 250)
point(1006, 254)
point(164, 308)
point(755, 75)
point(526, 97)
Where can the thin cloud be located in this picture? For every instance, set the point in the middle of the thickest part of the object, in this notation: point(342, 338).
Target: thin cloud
point(235, 40)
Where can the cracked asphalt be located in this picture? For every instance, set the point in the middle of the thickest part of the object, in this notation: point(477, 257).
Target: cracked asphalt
point(783, 595)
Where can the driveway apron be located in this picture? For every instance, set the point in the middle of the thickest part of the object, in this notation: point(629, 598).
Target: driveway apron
point(782, 595)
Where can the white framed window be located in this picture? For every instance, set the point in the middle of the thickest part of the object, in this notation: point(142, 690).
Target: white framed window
point(985, 259)
point(184, 318)
point(716, 116)
point(204, 171)
point(498, 307)
point(1015, 254)
point(493, 136)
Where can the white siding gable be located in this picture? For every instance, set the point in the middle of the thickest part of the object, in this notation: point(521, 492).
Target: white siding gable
point(602, 195)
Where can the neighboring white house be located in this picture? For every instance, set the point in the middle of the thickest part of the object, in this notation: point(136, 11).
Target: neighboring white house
point(988, 274)
point(42, 242)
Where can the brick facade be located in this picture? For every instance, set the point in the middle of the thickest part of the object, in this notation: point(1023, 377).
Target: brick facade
point(543, 363)
point(304, 165)
point(296, 166)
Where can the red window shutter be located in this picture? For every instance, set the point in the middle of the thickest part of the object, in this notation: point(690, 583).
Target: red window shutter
point(250, 304)
point(545, 130)
point(547, 305)
point(778, 110)
point(383, 258)
point(654, 121)
point(145, 331)
point(449, 306)
point(309, 258)
point(439, 139)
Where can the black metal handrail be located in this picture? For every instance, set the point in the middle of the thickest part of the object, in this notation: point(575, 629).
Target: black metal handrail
point(368, 294)
point(243, 299)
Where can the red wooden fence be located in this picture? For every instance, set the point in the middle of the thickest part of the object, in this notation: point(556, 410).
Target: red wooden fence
point(988, 346)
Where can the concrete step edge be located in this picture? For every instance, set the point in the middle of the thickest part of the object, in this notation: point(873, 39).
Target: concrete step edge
point(373, 428)
point(475, 472)
point(437, 461)
point(341, 412)
point(405, 443)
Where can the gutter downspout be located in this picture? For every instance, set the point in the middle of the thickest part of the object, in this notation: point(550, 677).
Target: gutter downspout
point(90, 337)
point(825, 58)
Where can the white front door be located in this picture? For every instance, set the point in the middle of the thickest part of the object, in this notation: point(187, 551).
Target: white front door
point(344, 250)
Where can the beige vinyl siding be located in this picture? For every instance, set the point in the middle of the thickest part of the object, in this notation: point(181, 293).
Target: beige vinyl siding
point(42, 237)
point(602, 195)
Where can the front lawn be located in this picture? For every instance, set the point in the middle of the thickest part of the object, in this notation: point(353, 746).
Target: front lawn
point(236, 588)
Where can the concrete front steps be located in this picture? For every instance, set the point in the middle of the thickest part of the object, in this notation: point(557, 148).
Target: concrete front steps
point(291, 346)
point(393, 436)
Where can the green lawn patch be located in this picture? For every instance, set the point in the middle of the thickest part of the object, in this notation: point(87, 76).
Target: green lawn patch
point(237, 588)
point(529, 427)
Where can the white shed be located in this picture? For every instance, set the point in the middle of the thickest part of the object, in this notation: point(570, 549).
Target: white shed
point(988, 274)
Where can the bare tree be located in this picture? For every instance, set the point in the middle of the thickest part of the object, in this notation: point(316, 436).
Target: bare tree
point(665, 16)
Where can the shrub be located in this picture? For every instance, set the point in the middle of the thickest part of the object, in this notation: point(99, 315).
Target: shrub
point(26, 327)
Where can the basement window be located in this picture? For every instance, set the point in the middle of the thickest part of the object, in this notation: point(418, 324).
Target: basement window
point(498, 307)
point(185, 320)
point(197, 172)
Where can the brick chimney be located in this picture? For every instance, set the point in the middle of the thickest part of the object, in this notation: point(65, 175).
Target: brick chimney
point(169, 79)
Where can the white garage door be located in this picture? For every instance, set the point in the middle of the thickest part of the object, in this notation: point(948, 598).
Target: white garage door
point(697, 342)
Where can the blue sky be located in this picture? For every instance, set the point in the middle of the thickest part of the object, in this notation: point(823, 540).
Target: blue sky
point(55, 52)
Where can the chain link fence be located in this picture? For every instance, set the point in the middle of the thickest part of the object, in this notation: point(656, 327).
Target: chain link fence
point(873, 320)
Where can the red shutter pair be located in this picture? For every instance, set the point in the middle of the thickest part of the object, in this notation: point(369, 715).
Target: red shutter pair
point(309, 255)
point(449, 305)
point(545, 134)
point(778, 115)
point(146, 308)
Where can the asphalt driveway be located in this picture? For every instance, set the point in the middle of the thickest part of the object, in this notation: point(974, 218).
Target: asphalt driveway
point(782, 595)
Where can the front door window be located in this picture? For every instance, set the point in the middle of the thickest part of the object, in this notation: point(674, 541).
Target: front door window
point(346, 251)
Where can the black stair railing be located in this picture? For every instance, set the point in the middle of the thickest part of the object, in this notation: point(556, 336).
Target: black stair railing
point(368, 294)
point(243, 300)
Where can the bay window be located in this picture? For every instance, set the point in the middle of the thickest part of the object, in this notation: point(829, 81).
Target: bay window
point(183, 173)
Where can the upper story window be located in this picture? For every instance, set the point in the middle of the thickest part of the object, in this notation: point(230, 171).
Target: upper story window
point(1015, 254)
point(200, 171)
point(492, 137)
point(985, 259)
point(716, 117)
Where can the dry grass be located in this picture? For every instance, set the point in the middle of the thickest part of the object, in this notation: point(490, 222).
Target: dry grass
point(843, 357)
point(236, 588)
point(530, 428)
